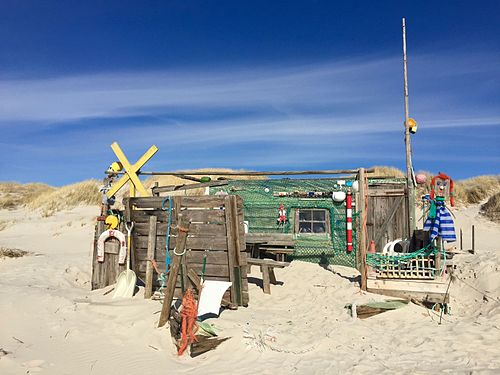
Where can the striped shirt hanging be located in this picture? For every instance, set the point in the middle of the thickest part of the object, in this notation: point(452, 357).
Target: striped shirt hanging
point(442, 225)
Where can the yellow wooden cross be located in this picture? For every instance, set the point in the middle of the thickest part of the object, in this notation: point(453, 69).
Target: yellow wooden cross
point(130, 171)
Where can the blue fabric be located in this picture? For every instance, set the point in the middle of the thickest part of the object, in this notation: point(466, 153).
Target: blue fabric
point(442, 225)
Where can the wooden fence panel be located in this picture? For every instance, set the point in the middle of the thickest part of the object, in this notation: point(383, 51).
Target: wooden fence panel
point(216, 232)
point(387, 214)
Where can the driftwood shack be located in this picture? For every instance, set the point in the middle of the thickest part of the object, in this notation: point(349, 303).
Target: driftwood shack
point(215, 245)
point(239, 222)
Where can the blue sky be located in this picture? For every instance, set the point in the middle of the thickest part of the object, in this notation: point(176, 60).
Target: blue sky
point(258, 85)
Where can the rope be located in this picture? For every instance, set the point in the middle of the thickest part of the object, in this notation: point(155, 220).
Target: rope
point(162, 276)
point(204, 267)
point(443, 304)
point(377, 259)
point(189, 314)
point(179, 254)
point(497, 300)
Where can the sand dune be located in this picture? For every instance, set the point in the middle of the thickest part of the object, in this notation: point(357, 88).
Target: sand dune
point(52, 324)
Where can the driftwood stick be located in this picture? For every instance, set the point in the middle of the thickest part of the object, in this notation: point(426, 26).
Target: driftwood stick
point(148, 290)
point(183, 229)
point(242, 173)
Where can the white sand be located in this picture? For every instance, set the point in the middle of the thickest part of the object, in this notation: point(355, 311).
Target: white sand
point(52, 324)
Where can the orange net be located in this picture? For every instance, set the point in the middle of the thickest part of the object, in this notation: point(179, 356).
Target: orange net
point(189, 313)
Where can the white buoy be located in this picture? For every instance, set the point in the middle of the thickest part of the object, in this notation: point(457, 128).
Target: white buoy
point(355, 186)
point(338, 196)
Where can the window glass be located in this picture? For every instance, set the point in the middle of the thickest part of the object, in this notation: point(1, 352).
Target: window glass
point(305, 215)
point(304, 227)
point(319, 228)
point(319, 215)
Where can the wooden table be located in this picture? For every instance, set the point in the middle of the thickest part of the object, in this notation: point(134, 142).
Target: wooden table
point(267, 269)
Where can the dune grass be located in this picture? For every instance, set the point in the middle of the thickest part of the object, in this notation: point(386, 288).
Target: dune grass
point(4, 224)
point(67, 197)
point(472, 190)
point(491, 209)
point(476, 189)
point(7, 252)
point(14, 194)
point(385, 171)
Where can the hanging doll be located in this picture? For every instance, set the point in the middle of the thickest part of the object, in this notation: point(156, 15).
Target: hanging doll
point(282, 219)
point(439, 222)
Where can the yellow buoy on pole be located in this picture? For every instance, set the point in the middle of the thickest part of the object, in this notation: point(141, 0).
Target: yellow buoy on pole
point(412, 125)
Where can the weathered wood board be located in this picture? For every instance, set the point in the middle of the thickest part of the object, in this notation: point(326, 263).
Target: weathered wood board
point(105, 273)
point(422, 290)
point(216, 233)
point(387, 214)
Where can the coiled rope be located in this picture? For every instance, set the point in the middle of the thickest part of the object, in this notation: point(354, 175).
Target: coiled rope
point(189, 327)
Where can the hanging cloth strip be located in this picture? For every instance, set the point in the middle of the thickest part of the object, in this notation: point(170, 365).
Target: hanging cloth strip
point(440, 222)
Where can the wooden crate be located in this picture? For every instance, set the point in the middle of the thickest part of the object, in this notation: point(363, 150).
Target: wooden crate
point(417, 268)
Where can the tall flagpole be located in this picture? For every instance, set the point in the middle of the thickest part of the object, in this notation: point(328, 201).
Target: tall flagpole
point(409, 167)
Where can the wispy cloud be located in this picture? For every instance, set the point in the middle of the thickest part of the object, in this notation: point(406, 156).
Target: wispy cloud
point(325, 112)
point(283, 89)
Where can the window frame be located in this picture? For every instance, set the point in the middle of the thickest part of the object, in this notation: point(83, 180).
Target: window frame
point(312, 221)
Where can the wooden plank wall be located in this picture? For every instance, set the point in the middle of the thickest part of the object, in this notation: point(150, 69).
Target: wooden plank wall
point(216, 231)
point(105, 273)
point(387, 213)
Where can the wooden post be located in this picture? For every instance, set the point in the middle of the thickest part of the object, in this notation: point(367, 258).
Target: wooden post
point(183, 228)
point(148, 290)
point(473, 240)
point(361, 208)
point(409, 167)
point(461, 240)
point(438, 261)
point(265, 279)
point(97, 268)
point(230, 245)
point(155, 193)
point(235, 224)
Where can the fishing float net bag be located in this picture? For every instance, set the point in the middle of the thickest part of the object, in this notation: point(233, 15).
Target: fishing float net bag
point(303, 199)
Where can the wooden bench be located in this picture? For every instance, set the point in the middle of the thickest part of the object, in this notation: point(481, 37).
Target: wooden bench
point(267, 269)
point(280, 253)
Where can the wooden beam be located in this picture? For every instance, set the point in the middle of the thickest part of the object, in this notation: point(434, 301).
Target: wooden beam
point(230, 246)
point(148, 290)
point(265, 279)
point(235, 248)
point(362, 233)
point(190, 178)
point(424, 286)
point(242, 173)
point(267, 262)
point(130, 170)
point(162, 189)
point(183, 228)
